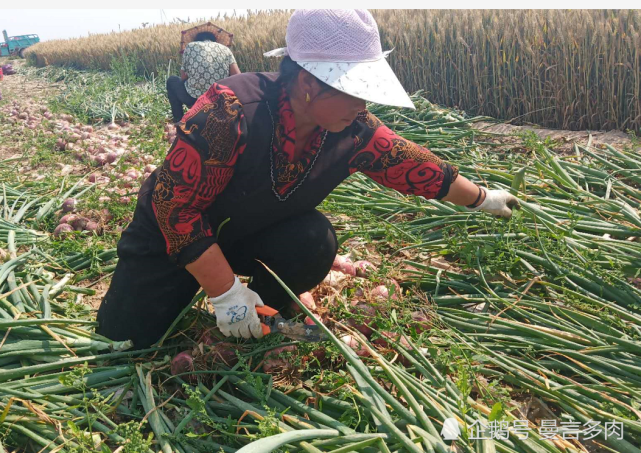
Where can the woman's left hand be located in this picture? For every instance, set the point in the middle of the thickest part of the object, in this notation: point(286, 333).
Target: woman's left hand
point(499, 203)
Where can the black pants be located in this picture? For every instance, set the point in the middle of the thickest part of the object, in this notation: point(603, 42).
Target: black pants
point(177, 94)
point(148, 291)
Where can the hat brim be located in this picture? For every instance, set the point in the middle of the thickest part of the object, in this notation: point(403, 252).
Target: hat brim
point(372, 81)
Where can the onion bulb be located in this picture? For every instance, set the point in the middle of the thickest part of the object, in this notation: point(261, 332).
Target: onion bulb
point(69, 205)
point(353, 343)
point(183, 362)
point(62, 230)
point(364, 268)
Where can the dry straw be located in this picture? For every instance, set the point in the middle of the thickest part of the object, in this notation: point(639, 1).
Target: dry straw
point(571, 69)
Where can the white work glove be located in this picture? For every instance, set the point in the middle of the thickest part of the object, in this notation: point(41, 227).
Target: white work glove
point(499, 203)
point(236, 311)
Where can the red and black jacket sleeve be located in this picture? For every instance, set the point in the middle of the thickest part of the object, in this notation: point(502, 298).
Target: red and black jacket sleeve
point(398, 163)
point(198, 167)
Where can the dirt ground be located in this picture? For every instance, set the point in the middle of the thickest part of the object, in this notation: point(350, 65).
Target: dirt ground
point(565, 139)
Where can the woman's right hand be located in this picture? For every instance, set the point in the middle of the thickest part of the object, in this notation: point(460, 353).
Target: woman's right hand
point(236, 311)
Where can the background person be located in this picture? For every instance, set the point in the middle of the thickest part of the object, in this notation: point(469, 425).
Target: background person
point(204, 62)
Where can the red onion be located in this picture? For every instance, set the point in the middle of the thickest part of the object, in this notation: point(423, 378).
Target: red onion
point(353, 343)
point(398, 292)
point(274, 364)
point(387, 337)
point(382, 292)
point(62, 230)
point(149, 168)
point(210, 336)
point(338, 260)
point(334, 279)
point(182, 363)
point(344, 264)
point(308, 301)
point(319, 353)
point(107, 215)
point(111, 157)
point(92, 226)
point(67, 218)
point(364, 268)
point(133, 173)
point(421, 322)
point(69, 205)
point(79, 223)
point(368, 315)
point(223, 353)
point(100, 159)
point(309, 321)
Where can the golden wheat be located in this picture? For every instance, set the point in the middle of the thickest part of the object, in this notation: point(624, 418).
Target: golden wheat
point(572, 69)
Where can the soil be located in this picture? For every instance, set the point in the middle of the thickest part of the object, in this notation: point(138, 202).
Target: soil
point(564, 139)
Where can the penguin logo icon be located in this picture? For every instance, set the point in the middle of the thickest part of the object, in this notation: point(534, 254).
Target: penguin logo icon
point(451, 430)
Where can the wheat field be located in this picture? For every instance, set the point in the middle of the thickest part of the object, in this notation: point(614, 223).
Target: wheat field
point(569, 69)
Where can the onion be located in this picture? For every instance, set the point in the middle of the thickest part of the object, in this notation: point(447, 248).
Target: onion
point(100, 159)
point(223, 353)
point(92, 177)
point(105, 212)
point(92, 226)
point(4, 255)
point(319, 353)
point(274, 364)
point(364, 268)
point(397, 288)
point(111, 157)
point(382, 291)
point(67, 218)
point(133, 173)
point(183, 362)
point(338, 260)
point(335, 278)
point(124, 200)
point(307, 300)
point(62, 230)
point(309, 321)
point(344, 264)
point(113, 127)
point(79, 223)
point(210, 337)
point(382, 341)
point(368, 314)
point(392, 337)
point(353, 343)
point(69, 205)
point(421, 321)
point(149, 168)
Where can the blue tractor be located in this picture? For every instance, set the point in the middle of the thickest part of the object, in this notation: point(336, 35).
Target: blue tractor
point(15, 45)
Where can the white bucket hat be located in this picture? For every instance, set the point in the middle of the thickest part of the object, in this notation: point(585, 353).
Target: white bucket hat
point(342, 47)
